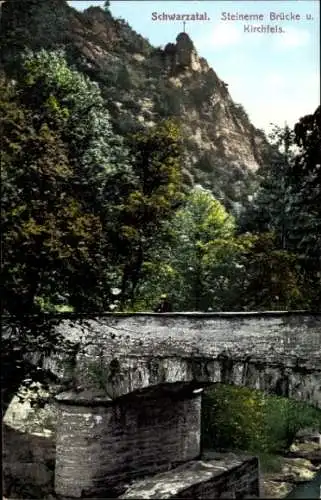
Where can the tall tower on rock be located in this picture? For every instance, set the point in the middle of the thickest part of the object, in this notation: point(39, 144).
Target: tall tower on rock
point(185, 50)
point(181, 55)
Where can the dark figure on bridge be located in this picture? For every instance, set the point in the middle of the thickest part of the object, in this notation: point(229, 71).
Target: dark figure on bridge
point(164, 305)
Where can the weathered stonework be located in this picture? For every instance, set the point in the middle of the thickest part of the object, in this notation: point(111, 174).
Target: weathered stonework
point(99, 448)
point(224, 477)
point(135, 405)
point(121, 353)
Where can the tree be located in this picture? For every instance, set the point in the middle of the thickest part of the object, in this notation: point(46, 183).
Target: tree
point(246, 419)
point(43, 223)
point(287, 203)
point(45, 231)
point(306, 187)
point(225, 273)
point(272, 278)
point(270, 209)
point(62, 171)
point(201, 221)
point(62, 99)
point(233, 418)
point(150, 202)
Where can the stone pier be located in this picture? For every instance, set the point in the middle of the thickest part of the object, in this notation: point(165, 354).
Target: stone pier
point(101, 444)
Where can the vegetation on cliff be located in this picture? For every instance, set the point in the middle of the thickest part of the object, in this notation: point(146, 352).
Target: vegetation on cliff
point(142, 85)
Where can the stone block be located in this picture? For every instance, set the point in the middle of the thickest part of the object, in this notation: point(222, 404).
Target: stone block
point(225, 477)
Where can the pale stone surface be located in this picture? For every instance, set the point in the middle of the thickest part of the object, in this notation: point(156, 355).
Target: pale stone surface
point(297, 470)
point(224, 477)
point(24, 417)
point(292, 472)
point(121, 353)
point(309, 450)
point(275, 489)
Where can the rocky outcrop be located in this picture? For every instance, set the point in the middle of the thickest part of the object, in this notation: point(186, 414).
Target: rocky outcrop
point(300, 465)
point(29, 446)
point(307, 449)
point(143, 84)
point(293, 471)
point(308, 436)
point(275, 489)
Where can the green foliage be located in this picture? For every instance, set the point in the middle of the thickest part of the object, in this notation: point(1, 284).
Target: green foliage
point(306, 188)
point(271, 207)
point(55, 185)
point(202, 221)
point(63, 170)
point(119, 196)
point(150, 202)
point(285, 417)
point(272, 280)
point(86, 128)
point(233, 418)
point(180, 259)
point(45, 228)
point(206, 266)
point(241, 418)
point(287, 205)
point(225, 276)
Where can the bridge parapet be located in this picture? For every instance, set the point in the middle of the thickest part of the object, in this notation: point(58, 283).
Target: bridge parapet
point(275, 352)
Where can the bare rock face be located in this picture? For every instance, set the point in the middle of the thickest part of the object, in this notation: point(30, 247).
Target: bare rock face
point(309, 450)
point(276, 489)
point(29, 446)
point(143, 84)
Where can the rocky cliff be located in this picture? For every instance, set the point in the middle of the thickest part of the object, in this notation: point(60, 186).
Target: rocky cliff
point(142, 84)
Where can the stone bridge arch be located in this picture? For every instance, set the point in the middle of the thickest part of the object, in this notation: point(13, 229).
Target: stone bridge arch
point(117, 354)
point(135, 407)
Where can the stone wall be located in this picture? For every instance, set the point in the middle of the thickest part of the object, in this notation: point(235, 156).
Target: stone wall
point(224, 477)
point(99, 448)
point(275, 352)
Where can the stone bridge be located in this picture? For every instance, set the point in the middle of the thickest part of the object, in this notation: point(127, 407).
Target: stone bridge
point(135, 407)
